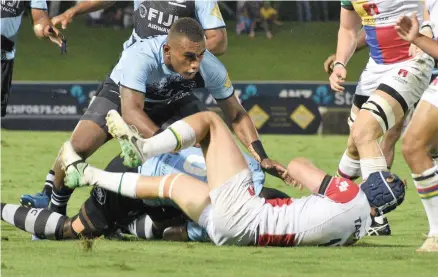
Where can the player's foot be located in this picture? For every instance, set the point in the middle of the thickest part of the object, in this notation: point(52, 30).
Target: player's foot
point(37, 201)
point(379, 227)
point(74, 167)
point(115, 235)
point(429, 245)
point(130, 141)
point(176, 233)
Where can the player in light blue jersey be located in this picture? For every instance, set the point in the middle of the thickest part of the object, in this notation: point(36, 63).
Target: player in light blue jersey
point(11, 15)
point(151, 18)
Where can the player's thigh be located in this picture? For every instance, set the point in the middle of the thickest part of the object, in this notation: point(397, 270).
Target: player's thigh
point(423, 127)
point(306, 174)
point(7, 70)
point(223, 157)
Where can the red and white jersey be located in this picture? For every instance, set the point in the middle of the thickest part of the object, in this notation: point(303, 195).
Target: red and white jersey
point(339, 217)
point(378, 19)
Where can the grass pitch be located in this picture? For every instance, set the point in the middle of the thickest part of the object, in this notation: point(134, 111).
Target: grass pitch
point(26, 157)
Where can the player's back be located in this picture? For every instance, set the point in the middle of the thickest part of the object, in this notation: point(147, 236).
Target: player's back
point(378, 19)
point(336, 218)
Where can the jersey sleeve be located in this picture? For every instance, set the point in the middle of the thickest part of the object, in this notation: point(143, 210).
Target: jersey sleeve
point(216, 78)
point(133, 68)
point(38, 4)
point(347, 5)
point(209, 14)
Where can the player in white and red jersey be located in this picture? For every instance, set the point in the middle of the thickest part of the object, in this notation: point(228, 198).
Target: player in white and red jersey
point(337, 213)
point(423, 130)
point(391, 83)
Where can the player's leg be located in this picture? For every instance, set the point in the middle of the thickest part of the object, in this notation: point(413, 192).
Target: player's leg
point(416, 142)
point(89, 135)
point(43, 223)
point(388, 143)
point(306, 174)
point(221, 154)
point(7, 70)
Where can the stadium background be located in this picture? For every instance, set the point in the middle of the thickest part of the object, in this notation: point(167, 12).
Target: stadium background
point(295, 54)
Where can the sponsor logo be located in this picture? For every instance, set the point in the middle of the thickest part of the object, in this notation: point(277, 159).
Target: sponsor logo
point(217, 12)
point(322, 96)
point(302, 116)
point(258, 116)
point(42, 109)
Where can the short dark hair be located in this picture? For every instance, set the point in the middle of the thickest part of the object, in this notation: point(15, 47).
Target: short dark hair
point(187, 27)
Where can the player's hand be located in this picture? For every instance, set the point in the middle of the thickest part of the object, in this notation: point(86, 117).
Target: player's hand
point(338, 77)
point(407, 28)
point(328, 64)
point(64, 19)
point(53, 34)
point(276, 169)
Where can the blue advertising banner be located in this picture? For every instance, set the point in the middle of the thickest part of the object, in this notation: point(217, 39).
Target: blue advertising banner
point(60, 105)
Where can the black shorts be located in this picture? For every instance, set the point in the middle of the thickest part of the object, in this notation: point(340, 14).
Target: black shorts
point(108, 98)
point(105, 211)
point(7, 70)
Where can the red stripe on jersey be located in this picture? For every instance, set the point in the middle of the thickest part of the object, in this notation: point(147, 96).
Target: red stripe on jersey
point(276, 240)
point(341, 190)
point(278, 202)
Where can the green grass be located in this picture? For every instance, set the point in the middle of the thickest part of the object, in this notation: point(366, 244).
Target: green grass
point(297, 52)
point(26, 157)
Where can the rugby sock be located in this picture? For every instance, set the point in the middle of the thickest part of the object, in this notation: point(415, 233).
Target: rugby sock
point(179, 135)
point(43, 223)
point(427, 188)
point(142, 227)
point(59, 199)
point(372, 165)
point(349, 168)
point(48, 185)
point(196, 232)
point(122, 183)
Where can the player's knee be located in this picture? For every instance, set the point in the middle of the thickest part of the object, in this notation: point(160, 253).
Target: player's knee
point(362, 133)
point(211, 117)
point(81, 146)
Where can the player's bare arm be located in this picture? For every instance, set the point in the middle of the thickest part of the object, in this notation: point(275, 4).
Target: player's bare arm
point(217, 41)
point(82, 7)
point(245, 130)
point(349, 29)
point(409, 30)
point(361, 44)
point(133, 114)
point(43, 27)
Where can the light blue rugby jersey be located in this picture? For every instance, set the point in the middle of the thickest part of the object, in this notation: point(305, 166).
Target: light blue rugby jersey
point(191, 161)
point(141, 67)
point(11, 15)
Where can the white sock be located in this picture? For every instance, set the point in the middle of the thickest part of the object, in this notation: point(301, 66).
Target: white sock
point(179, 135)
point(349, 168)
point(122, 183)
point(427, 188)
point(141, 227)
point(372, 165)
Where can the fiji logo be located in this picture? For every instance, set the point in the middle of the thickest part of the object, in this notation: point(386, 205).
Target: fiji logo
point(322, 96)
point(78, 93)
point(249, 92)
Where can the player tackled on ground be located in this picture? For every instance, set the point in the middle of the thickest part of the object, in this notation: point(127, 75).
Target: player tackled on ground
point(105, 211)
point(337, 212)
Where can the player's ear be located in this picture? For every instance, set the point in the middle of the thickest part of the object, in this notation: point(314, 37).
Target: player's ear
point(166, 49)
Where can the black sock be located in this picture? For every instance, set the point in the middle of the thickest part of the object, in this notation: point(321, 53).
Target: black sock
point(60, 197)
point(48, 186)
point(43, 223)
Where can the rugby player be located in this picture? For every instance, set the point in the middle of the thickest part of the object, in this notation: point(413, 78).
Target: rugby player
point(423, 129)
point(151, 18)
point(337, 213)
point(390, 85)
point(105, 211)
point(11, 15)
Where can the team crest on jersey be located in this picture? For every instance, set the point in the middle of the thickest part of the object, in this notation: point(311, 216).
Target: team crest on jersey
point(343, 186)
point(403, 72)
point(100, 195)
point(227, 83)
point(217, 12)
